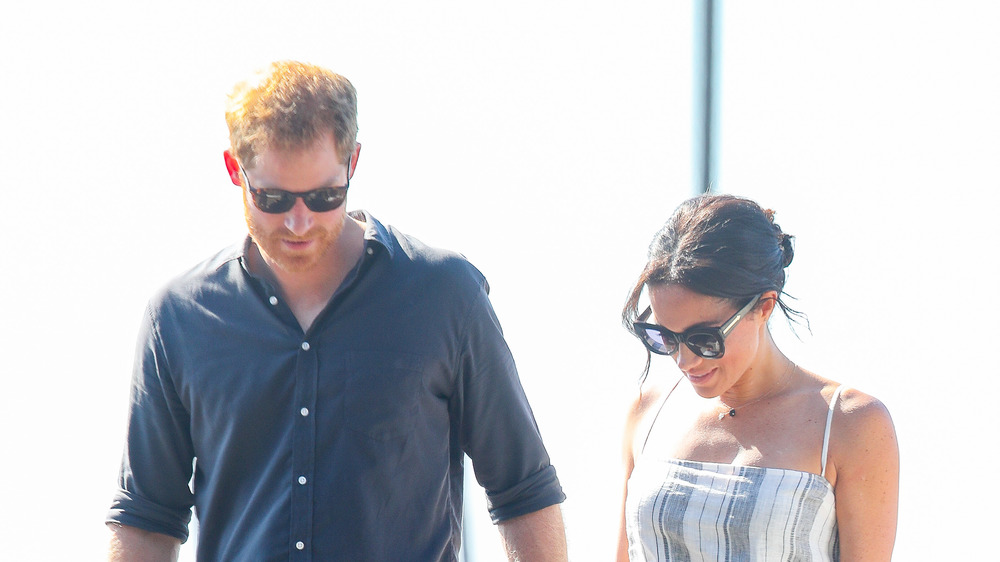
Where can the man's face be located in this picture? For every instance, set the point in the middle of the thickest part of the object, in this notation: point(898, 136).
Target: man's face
point(297, 240)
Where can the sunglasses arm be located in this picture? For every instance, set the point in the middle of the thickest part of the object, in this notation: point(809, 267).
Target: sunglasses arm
point(738, 316)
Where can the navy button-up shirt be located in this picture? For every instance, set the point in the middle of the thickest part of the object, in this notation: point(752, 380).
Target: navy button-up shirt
point(345, 442)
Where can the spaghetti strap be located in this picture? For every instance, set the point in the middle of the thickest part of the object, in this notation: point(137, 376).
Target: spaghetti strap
point(649, 430)
point(826, 432)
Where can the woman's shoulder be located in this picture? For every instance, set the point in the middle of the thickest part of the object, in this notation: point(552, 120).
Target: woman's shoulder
point(862, 420)
point(648, 398)
point(861, 428)
point(650, 394)
point(852, 406)
point(645, 397)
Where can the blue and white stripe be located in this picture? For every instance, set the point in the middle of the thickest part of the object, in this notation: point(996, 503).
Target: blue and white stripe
point(698, 511)
point(681, 510)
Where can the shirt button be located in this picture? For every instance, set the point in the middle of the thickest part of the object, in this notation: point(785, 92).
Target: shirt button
point(273, 300)
point(370, 251)
point(305, 346)
point(300, 545)
point(304, 412)
point(302, 480)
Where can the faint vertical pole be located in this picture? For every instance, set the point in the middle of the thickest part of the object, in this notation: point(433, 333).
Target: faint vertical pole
point(468, 537)
point(705, 142)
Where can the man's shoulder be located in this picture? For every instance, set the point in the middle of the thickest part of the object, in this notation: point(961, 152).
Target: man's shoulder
point(219, 272)
point(434, 262)
point(418, 251)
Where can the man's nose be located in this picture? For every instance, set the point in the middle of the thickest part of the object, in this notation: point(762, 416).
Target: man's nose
point(299, 219)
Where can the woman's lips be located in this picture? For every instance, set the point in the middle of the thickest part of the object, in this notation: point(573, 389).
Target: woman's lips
point(702, 377)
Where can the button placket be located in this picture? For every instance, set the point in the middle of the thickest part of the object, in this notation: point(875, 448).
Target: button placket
point(304, 447)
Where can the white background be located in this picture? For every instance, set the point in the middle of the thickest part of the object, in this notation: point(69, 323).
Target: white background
point(547, 141)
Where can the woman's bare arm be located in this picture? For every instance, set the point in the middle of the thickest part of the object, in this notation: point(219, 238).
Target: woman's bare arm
point(866, 485)
point(636, 412)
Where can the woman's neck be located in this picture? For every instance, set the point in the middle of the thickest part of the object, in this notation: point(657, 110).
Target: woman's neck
point(767, 376)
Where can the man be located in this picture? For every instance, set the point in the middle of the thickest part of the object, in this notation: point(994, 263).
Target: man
point(323, 380)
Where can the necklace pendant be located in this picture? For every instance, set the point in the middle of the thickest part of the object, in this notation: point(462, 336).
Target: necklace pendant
point(732, 412)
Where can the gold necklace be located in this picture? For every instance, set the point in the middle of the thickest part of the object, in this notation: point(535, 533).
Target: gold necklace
point(732, 410)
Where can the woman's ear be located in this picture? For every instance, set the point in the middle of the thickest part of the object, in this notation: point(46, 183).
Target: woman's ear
point(767, 303)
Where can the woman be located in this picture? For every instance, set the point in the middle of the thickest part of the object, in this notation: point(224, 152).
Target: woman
point(754, 457)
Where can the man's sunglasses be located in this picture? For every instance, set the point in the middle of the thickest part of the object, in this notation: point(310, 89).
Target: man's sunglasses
point(704, 342)
point(275, 201)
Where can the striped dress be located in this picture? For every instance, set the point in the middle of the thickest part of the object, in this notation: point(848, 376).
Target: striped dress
point(701, 511)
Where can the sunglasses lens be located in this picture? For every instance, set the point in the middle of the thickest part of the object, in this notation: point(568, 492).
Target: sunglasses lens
point(323, 200)
point(657, 341)
point(273, 201)
point(708, 346)
point(317, 201)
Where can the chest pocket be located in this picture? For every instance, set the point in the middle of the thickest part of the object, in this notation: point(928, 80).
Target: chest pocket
point(382, 396)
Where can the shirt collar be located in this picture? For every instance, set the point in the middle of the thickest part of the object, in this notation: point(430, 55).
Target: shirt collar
point(375, 233)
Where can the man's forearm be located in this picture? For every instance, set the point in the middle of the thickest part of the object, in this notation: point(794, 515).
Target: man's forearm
point(535, 537)
point(132, 544)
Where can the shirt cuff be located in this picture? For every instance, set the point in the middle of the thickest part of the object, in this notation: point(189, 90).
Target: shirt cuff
point(134, 511)
point(536, 492)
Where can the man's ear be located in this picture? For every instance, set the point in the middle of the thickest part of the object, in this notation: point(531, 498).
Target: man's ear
point(354, 160)
point(233, 167)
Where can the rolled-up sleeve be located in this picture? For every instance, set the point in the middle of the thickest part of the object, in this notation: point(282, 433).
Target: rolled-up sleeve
point(153, 485)
point(498, 429)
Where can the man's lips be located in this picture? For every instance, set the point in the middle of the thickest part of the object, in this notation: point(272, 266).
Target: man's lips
point(297, 244)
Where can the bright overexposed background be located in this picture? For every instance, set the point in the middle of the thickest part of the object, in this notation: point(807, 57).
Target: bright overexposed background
point(547, 141)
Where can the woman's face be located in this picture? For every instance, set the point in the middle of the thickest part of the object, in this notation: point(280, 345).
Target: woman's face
point(679, 309)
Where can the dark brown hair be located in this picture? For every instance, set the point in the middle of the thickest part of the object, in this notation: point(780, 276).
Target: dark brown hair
point(718, 245)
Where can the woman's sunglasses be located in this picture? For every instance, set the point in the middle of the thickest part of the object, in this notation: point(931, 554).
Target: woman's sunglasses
point(704, 342)
point(275, 201)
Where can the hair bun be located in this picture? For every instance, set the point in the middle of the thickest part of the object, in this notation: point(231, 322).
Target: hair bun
point(787, 252)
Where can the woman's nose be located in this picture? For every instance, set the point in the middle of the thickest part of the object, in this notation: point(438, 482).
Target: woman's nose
point(685, 358)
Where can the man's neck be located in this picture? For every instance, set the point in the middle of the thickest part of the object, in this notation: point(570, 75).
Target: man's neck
point(308, 292)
